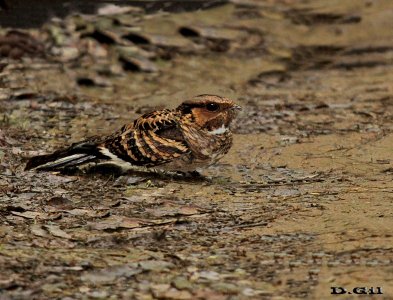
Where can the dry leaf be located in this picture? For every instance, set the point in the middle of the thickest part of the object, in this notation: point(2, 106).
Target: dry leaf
point(115, 222)
point(38, 230)
point(28, 214)
point(57, 232)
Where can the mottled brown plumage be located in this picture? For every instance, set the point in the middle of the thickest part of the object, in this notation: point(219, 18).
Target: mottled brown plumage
point(196, 134)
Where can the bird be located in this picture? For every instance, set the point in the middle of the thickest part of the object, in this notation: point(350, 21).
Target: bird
point(186, 139)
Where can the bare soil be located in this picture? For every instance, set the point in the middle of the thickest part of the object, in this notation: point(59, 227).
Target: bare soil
point(302, 202)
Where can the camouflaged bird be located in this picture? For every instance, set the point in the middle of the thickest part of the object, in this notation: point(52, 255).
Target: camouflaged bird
point(194, 135)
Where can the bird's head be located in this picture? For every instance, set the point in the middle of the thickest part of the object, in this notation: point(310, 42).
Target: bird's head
point(210, 112)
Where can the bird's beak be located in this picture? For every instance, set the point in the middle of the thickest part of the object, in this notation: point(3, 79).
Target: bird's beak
point(236, 107)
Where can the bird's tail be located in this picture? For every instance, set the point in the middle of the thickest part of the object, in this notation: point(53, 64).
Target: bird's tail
point(76, 155)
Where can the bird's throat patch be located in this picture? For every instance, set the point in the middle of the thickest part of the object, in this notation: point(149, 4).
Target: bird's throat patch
point(220, 130)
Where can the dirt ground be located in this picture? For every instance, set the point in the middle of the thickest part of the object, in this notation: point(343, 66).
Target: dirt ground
point(302, 203)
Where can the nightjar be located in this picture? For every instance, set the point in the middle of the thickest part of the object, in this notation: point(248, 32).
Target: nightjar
point(194, 135)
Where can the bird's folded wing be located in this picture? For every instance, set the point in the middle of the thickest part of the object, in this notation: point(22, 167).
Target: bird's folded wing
point(154, 139)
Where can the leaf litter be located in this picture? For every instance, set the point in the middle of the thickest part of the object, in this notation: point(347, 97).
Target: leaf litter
point(311, 150)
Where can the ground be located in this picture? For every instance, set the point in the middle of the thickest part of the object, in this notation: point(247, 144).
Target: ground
point(302, 202)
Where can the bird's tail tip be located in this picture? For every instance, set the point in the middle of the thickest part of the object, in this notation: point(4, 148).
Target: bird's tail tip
point(52, 162)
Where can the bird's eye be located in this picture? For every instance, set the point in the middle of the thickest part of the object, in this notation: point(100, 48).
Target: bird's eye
point(212, 106)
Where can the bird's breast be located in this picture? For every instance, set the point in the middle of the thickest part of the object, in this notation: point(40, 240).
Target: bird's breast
point(206, 146)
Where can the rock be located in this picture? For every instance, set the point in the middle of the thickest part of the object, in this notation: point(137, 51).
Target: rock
point(155, 265)
point(182, 283)
point(209, 275)
point(226, 288)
